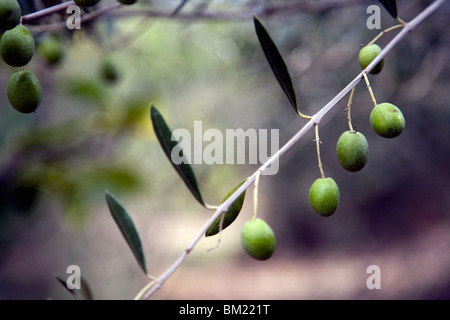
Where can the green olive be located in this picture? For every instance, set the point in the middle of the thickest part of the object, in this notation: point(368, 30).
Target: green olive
point(387, 120)
point(366, 56)
point(352, 150)
point(24, 91)
point(17, 46)
point(258, 239)
point(10, 14)
point(324, 196)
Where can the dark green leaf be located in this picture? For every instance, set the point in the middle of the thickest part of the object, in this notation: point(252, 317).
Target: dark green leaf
point(164, 136)
point(230, 215)
point(84, 293)
point(127, 228)
point(391, 7)
point(276, 62)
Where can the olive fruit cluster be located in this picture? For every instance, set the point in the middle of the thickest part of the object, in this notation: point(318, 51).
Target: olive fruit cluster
point(352, 152)
point(17, 49)
point(352, 148)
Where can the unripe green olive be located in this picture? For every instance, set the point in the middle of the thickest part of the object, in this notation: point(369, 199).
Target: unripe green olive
point(258, 239)
point(352, 150)
point(367, 54)
point(10, 13)
point(24, 91)
point(17, 46)
point(324, 196)
point(127, 1)
point(51, 49)
point(86, 3)
point(387, 120)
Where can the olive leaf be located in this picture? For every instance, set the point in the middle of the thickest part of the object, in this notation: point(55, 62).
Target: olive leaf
point(127, 229)
point(164, 136)
point(230, 215)
point(276, 62)
point(391, 7)
point(84, 293)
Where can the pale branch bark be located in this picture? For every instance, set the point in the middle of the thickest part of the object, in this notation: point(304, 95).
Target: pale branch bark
point(316, 118)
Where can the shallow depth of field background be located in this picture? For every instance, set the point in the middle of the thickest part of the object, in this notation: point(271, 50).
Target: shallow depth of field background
point(89, 136)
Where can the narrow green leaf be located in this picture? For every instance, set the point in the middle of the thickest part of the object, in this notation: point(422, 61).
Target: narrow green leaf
point(276, 62)
point(127, 229)
point(391, 7)
point(164, 136)
point(84, 293)
point(230, 215)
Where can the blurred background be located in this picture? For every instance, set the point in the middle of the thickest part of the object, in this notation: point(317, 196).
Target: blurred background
point(93, 133)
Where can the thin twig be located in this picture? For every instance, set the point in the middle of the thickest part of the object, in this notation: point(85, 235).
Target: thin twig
point(369, 87)
point(349, 107)
point(384, 32)
point(319, 160)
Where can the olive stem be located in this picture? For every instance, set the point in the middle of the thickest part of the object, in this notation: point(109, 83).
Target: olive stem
point(322, 174)
point(386, 31)
point(349, 105)
point(304, 116)
point(153, 287)
point(372, 96)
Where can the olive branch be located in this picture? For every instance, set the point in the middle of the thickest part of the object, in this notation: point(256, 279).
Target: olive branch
point(156, 284)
